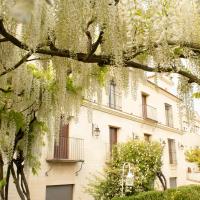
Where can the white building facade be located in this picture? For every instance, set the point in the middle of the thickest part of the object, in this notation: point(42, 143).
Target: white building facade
point(84, 145)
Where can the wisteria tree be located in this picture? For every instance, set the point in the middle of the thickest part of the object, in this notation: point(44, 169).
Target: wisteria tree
point(54, 52)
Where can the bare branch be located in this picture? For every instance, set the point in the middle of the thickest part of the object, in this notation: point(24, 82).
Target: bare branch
point(91, 48)
point(11, 38)
point(116, 2)
point(28, 107)
point(38, 58)
point(24, 58)
point(89, 42)
point(6, 90)
point(4, 40)
point(96, 44)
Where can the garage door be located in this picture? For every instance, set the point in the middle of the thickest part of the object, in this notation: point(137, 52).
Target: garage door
point(59, 192)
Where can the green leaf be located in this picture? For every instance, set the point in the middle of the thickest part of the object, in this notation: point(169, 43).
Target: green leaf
point(18, 119)
point(196, 95)
point(178, 51)
point(2, 183)
point(71, 87)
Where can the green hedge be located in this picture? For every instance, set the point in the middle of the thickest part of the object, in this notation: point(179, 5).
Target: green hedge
point(191, 192)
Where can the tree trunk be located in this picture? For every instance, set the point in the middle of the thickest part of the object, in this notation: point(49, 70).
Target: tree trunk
point(162, 180)
point(1, 177)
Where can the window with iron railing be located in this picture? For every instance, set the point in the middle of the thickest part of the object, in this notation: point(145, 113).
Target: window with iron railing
point(169, 115)
point(68, 148)
point(172, 151)
point(64, 147)
point(148, 112)
point(114, 96)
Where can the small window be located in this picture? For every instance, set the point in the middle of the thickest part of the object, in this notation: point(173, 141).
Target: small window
point(185, 126)
point(144, 105)
point(173, 182)
point(169, 115)
point(196, 129)
point(113, 137)
point(172, 151)
point(147, 137)
point(114, 96)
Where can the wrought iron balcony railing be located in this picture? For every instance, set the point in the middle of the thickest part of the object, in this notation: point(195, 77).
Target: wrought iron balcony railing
point(66, 149)
point(149, 112)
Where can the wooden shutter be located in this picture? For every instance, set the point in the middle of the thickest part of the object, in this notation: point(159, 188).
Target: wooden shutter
point(169, 115)
point(144, 105)
point(61, 149)
point(112, 97)
point(172, 151)
point(113, 137)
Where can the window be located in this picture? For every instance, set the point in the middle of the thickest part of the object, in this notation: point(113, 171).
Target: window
point(173, 182)
point(196, 129)
point(114, 97)
point(61, 147)
point(172, 151)
point(185, 126)
point(144, 105)
point(147, 137)
point(169, 115)
point(61, 192)
point(113, 137)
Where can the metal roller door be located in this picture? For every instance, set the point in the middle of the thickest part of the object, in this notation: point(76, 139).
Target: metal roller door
point(59, 192)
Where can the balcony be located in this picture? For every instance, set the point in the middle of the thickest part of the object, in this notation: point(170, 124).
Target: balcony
point(66, 149)
point(149, 112)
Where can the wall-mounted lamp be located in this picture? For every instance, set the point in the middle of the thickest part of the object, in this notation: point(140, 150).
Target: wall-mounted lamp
point(135, 136)
point(162, 142)
point(95, 130)
point(180, 146)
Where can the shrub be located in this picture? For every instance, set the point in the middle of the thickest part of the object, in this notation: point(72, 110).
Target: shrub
point(146, 161)
point(193, 155)
point(191, 192)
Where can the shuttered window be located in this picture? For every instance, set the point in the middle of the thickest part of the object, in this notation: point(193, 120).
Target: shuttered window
point(169, 115)
point(114, 97)
point(172, 151)
point(113, 137)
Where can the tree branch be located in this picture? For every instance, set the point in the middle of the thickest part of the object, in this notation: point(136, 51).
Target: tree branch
point(1, 176)
point(23, 60)
point(98, 59)
point(16, 181)
point(4, 40)
point(95, 45)
point(11, 38)
point(6, 90)
point(38, 58)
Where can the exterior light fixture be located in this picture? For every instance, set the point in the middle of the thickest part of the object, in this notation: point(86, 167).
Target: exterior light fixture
point(95, 130)
point(181, 146)
point(162, 142)
point(135, 136)
point(128, 179)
